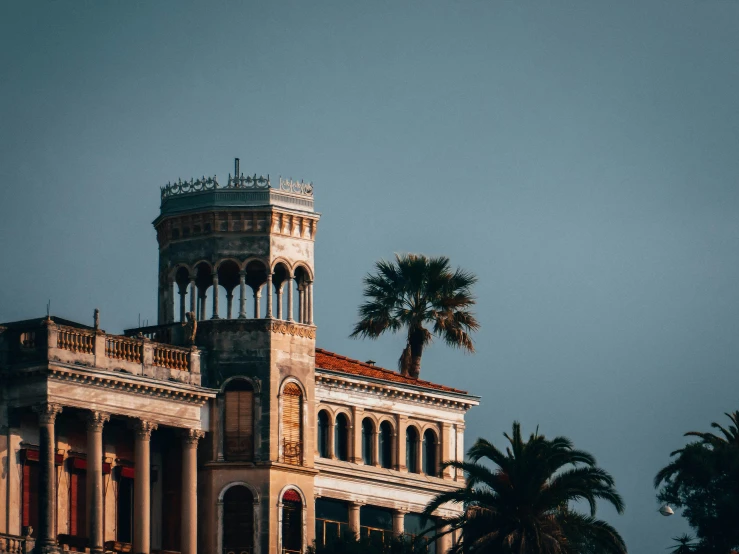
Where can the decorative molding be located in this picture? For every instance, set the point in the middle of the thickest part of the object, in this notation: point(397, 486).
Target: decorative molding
point(149, 389)
point(193, 185)
point(96, 420)
point(296, 187)
point(294, 329)
point(143, 429)
point(388, 391)
point(47, 412)
point(192, 436)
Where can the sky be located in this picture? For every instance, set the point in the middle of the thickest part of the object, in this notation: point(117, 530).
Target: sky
point(580, 157)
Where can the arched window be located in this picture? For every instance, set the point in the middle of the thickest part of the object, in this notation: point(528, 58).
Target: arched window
point(238, 425)
point(238, 520)
point(341, 438)
point(292, 523)
point(411, 449)
point(292, 424)
point(323, 434)
point(429, 453)
point(368, 431)
point(386, 445)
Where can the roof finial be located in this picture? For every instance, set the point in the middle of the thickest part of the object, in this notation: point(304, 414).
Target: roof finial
point(236, 168)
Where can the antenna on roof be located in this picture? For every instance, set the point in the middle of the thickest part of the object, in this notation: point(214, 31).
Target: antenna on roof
point(48, 309)
point(236, 168)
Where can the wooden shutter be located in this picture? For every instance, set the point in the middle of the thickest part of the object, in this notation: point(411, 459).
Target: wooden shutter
point(239, 425)
point(292, 423)
point(77, 508)
point(30, 496)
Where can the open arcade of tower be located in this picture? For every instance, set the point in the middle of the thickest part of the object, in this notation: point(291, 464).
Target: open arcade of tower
point(222, 429)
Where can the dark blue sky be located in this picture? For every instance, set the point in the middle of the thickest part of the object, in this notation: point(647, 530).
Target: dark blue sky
point(580, 157)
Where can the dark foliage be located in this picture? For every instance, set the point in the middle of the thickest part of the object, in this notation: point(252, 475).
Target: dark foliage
point(350, 544)
point(518, 500)
point(703, 480)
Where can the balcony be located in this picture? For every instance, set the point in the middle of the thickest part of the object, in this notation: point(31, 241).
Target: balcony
point(47, 341)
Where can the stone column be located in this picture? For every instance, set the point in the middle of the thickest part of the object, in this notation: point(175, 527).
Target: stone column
point(183, 293)
point(443, 543)
point(374, 454)
point(142, 487)
point(229, 304)
point(95, 422)
point(290, 298)
point(446, 449)
point(47, 542)
point(170, 300)
point(355, 436)
point(203, 298)
point(193, 294)
point(400, 442)
point(458, 473)
point(398, 522)
point(310, 303)
point(269, 295)
point(278, 303)
point(215, 296)
point(354, 519)
point(301, 303)
point(189, 521)
point(331, 435)
point(242, 294)
point(257, 297)
point(419, 454)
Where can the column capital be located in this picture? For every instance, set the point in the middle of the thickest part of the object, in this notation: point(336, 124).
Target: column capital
point(47, 411)
point(192, 278)
point(95, 420)
point(143, 429)
point(192, 436)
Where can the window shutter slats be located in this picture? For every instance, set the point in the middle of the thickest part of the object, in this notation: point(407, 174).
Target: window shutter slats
point(239, 425)
point(292, 423)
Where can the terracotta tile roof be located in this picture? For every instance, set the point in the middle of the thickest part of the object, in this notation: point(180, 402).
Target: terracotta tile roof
point(335, 362)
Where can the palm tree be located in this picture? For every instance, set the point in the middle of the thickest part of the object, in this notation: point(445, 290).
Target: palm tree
point(411, 293)
point(685, 545)
point(522, 504)
point(702, 479)
point(730, 435)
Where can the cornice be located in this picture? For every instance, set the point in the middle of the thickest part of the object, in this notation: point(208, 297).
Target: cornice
point(121, 382)
point(389, 389)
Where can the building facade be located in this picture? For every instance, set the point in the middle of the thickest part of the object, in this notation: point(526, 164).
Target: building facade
point(222, 429)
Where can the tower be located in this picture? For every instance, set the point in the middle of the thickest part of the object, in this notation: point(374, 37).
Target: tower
point(238, 258)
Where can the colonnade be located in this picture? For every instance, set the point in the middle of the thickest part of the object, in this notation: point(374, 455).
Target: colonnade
point(279, 305)
point(47, 540)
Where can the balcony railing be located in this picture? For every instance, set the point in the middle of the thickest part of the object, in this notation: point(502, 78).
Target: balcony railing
point(96, 349)
point(292, 452)
point(13, 544)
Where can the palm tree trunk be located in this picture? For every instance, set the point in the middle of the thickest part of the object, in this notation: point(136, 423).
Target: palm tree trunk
point(415, 342)
point(404, 363)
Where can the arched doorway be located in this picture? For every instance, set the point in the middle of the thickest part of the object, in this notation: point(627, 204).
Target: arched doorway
point(292, 523)
point(238, 521)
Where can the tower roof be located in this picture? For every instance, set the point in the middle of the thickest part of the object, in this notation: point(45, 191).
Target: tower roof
point(252, 191)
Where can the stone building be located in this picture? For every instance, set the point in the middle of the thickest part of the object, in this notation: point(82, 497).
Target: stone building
point(222, 429)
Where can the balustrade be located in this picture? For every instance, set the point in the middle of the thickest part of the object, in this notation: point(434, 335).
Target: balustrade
point(171, 357)
point(76, 340)
point(12, 544)
point(122, 348)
